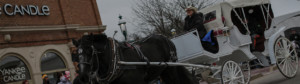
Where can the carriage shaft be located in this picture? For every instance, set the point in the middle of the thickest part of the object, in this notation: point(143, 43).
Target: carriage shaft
point(166, 64)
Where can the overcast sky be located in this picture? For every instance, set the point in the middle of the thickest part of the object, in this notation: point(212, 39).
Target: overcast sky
point(109, 12)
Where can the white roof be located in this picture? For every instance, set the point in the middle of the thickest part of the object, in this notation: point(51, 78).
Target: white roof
point(243, 3)
point(235, 4)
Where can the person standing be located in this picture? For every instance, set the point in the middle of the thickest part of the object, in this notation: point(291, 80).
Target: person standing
point(25, 82)
point(194, 20)
point(45, 79)
point(75, 57)
point(64, 79)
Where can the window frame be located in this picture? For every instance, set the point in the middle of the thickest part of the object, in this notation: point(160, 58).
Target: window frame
point(55, 70)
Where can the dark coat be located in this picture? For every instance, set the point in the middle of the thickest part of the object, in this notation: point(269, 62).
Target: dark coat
point(195, 21)
point(295, 37)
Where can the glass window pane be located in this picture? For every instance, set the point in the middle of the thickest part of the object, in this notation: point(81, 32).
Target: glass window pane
point(51, 61)
point(13, 69)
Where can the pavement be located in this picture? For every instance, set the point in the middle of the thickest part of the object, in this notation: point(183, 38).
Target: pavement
point(269, 75)
point(255, 73)
point(275, 77)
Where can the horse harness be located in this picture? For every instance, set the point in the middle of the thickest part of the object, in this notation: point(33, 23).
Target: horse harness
point(115, 70)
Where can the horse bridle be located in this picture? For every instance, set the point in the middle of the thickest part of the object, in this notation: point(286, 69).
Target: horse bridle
point(115, 69)
point(94, 54)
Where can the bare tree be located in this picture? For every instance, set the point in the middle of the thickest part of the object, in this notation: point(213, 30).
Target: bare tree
point(164, 15)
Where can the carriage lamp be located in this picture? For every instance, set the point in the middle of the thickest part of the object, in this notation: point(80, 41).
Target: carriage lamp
point(122, 24)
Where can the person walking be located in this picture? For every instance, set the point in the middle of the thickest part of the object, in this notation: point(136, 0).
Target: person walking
point(64, 79)
point(45, 79)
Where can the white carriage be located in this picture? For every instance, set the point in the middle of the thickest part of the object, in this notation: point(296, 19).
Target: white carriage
point(233, 32)
point(233, 29)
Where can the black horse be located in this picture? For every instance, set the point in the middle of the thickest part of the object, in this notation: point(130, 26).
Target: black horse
point(99, 56)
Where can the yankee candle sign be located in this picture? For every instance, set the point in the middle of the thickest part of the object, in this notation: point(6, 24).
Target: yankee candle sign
point(13, 74)
point(33, 10)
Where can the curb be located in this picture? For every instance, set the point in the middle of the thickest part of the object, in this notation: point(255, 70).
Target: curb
point(263, 72)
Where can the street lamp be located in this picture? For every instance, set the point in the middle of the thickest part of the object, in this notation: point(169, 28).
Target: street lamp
point(122, 24)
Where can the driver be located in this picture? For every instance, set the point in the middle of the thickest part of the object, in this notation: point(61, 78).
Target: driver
point(194, 20)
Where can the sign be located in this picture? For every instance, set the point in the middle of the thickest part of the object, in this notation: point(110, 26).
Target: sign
point(13, 69)
point(33, 10)
point(13, 74)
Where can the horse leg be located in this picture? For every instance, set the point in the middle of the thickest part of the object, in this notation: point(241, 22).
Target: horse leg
point(170, 76)
point(76, 80)
point(185, 76)
point(178, 75)
point(153, 73)
point(130, 77)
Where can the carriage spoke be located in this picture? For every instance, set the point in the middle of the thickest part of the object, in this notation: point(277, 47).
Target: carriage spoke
point(231, 82)
point(287, 67)
point(284, 65)
point(280, 57)
point(292, 69)
point(282, 61)
point(284, 43)
point(241, 82)
point(291, 52)
point(239, 77)
point(235, 68)
point(237, 73)
point(227, 81)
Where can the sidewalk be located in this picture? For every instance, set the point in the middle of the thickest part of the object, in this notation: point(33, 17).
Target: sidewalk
point(256, 73)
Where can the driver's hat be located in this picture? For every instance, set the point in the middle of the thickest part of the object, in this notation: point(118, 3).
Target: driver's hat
point(191, 8)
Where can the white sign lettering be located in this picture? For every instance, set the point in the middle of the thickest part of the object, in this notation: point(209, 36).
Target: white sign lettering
point(32, 10)
point(13, 74)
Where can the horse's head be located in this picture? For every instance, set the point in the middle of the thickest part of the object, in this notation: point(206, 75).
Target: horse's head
point(92, 50)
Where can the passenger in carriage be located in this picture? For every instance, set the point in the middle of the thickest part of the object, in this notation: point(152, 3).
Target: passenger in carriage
point(194, 20)
point(254, 25)
point(256, 30)
point(294, 36)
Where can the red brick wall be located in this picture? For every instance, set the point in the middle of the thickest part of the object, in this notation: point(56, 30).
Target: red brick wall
point(61, 12)
point(35, 38)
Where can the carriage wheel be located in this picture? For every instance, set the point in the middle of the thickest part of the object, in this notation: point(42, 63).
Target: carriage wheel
point(232, 73)
point(245, 66)
point(286, 57)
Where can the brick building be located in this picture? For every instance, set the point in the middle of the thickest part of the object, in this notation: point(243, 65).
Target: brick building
point(35, 36)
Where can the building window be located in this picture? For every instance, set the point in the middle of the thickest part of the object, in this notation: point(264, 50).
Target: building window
point(53, 68)
point(13, 69)
point(51, 61)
